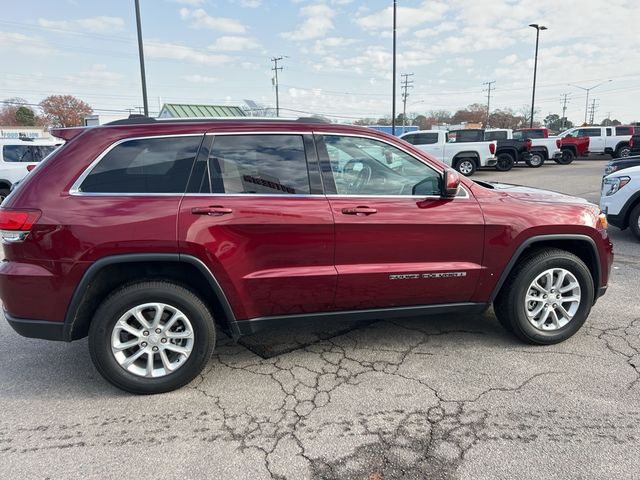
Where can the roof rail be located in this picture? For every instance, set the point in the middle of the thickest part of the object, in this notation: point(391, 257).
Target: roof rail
point(136, 119)
point(133, 119)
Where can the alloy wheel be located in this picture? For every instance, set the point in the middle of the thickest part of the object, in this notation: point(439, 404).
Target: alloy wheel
point(552, 299)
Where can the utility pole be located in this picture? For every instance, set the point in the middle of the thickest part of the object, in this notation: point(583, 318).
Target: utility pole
point(488, 98)
point(564, 110)
point(592, 114)
point(275, 68)
point(586, 103)
point(141, 55)
point(393, 86)
point(406, 85)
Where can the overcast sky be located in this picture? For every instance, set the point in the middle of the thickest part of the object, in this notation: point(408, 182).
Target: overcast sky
point(339, 53)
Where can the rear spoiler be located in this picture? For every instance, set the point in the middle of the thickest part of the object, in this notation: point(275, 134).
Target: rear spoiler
point(67, 133)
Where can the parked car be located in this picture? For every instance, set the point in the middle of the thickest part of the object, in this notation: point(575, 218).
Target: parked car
point(144, 235)
point(604, 140)
point(18, 157)
point(573, 147)
point(620, 199)
point(634, 144)
point(508, 151)
point(464, 157)
point(542, 148)
point(621, 164)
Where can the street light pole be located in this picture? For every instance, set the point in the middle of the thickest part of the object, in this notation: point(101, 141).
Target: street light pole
point(141, 55)
point(535, 69)
point(393, 96)
point(586, 104)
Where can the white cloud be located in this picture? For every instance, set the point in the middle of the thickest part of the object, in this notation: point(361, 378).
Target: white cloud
point(251, 3)
point(318, 21)
point(325, 45)
point(509, 59)
point(97, 75)
point(173, 51)
point(436, 30)
point(407, 17)
point(233, 43)
point(192, 3)
point(92, 24)
point(197, 78)
point(24, 44)
point(200, 19)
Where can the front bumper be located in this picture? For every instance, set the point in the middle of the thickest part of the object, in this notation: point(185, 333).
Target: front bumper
point(36, 328)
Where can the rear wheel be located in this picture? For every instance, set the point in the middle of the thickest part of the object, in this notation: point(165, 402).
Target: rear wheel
point(623, 151)
point(547, 297)
point(151, 337)
point(505, 162)
point(634, 221)
point(466, 166)
point(567, 157)
point(536, 160)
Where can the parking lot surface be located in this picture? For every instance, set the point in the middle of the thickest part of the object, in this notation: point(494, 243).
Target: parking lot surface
point(440, 397)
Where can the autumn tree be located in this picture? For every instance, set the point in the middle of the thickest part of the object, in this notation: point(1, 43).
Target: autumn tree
point(65, 110)
point(475, 113)
point(25, 116)
point(9, 109)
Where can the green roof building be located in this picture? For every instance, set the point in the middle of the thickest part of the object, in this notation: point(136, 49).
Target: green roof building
point(182, 110)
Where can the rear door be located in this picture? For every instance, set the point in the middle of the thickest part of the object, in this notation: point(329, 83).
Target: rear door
point(397, 242)
point(256, 215)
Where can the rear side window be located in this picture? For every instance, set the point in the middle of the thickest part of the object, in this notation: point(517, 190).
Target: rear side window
point(422, 138)
point(624, 130)
point(491, 136)
point(259, 164)
point(466, 136)
point(589, 132)
point(26, 153)
point(149, 165)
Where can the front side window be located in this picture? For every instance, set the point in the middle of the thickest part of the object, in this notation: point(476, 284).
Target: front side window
point(259, 164)
point(149, 165)
point(589, 132)
point(422, 138)
point(363, 166)
point(499, 135)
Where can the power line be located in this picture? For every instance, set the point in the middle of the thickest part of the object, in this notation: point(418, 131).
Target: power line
point(406, 85)
point(489, 98)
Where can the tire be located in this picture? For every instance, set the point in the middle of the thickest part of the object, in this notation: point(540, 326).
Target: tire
point(536, 160)
point(511, 305)
point(505, 162)
point(170, 300)
point(634, 221)
point(623, 151)
point(567, 157)
point(3, 194)
point(466, 166)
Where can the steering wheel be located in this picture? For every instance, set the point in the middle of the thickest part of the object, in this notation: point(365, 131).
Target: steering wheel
point(360, 178)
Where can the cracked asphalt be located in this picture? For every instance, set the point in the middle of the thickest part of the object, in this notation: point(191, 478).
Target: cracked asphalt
point(445, 397)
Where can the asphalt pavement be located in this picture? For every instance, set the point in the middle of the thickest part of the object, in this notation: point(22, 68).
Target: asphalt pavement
point(446, 397)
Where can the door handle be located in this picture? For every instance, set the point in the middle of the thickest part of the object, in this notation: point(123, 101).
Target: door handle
point(360, 211)
point(213, 211)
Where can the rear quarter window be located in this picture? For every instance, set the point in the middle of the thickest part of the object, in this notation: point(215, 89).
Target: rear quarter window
point(422, 138)
point(624, 130)
point(149, 165)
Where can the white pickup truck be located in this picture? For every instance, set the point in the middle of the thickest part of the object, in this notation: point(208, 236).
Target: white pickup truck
point(464, 157)
point(541, 148)
point(611, 140)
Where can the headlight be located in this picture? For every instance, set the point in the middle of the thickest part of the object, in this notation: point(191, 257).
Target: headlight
point(613, 184)
point(610, 169)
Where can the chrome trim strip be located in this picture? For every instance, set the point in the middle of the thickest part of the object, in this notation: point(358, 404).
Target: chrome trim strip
point(75, 188)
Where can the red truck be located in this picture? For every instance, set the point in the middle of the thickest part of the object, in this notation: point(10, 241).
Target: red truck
point(571, 147)
point(144, 235)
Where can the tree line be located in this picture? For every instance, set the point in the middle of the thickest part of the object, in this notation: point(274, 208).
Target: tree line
point(53, 111)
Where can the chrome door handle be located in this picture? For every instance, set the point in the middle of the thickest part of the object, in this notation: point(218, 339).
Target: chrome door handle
point(360, 211)
point(212, 211)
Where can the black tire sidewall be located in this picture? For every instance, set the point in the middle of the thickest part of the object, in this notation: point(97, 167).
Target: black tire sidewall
point(461, 161)
point(520, 323)
point(567, 157)
point(509, 164)
point(633, 221)
point(136, 294)
point(534, 165)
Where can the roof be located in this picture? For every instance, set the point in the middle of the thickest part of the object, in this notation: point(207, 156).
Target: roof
point(182, 110)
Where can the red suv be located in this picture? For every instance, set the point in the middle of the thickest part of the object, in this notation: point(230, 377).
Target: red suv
point(145, 235)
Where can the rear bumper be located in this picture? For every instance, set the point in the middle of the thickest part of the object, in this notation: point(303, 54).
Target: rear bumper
point(36, 328)
point(557, 154)
point(490, 161)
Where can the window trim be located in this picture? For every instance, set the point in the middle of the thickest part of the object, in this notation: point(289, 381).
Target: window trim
point(75, 188)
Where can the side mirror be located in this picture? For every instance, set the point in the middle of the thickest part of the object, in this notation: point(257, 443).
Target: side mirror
point(450, 184)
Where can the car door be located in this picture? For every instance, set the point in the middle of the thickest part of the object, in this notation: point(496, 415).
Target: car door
point(398, 243)
point(596, 140)
point(256, 216)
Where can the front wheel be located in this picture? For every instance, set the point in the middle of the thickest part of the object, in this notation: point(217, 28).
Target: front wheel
point(151, 337)
point(466, 166)
point(624, 151)
point(567, 157)
point(547, 297)
point(634, 221)
point(505, 162)
point(536, 160)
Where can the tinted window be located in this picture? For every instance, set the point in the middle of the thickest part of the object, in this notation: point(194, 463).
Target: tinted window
point(26, 153)
point(273, 164)
point(422, 138)
point(362, 166)
point(151, 165)
point(624, 130)
point(522, 134)
point(589, 132)
point(466, 136)
point(500, 135)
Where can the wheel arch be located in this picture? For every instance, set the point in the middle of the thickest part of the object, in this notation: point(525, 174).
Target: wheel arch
point(5, 183)
point(106, 274)
point(582, 246)
point(541, 149)
point(628, 207)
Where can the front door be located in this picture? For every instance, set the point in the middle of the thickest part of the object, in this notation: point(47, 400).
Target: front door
point(257, 217)
point(398, 243)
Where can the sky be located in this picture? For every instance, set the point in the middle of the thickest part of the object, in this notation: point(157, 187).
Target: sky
point(337, 54)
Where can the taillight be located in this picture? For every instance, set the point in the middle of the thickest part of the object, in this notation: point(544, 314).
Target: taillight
point(492, 148)
point(558, 142)
point(30, 167)
point(16, 224)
